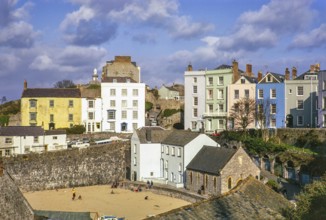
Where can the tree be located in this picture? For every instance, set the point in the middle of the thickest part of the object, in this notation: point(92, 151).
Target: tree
point(310, 202)
point(242, 113)
point(65, 84)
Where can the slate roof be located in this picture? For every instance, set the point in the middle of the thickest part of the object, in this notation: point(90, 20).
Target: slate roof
point(157, 134)
point(211, 159)
point(51, 92)
point(54, 132)
point(223, 66)
point(118, 79)
point(251, 79)
point(180, 137)
point(250, 200)
point(278, 76)
point(21, 131)
point(90, 93)
point(302, 76)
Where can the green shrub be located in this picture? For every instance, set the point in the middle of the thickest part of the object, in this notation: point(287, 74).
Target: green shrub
point(4, 120)
point(169, 112)
point(273, 185)
point(148, 106)
point(76, 129)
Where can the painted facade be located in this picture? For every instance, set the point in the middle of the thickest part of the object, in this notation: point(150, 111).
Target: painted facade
point(167, 92)
point(322, 99)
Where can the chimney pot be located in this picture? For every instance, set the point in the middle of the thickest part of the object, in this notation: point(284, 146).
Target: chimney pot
point(287, 74)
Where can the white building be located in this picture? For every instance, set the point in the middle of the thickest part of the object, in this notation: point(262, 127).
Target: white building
point(91, 101)
point(25, 139)
point(123, 108)
point(162, 155)
point(194, 99)
point(146, 153)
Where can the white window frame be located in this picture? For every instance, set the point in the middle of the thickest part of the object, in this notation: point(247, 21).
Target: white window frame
point(299, 91)
point(273, 93)
point(298, 117)
point(298, 105)
point(260, 93)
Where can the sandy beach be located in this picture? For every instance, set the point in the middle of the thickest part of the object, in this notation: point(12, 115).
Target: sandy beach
point(98, 199)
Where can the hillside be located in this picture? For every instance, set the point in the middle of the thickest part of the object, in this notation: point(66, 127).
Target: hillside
point(10, 113)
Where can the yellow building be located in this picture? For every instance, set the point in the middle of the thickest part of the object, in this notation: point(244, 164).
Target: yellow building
point(50, 108)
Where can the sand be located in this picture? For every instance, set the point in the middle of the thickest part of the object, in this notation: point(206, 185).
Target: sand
point(98, 199)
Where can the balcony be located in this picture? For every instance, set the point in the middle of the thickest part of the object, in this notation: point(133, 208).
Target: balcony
point(214, 114)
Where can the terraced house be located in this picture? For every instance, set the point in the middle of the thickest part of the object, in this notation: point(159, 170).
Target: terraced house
point(50, 108)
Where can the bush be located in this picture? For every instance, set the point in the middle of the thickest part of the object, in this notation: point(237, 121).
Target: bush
point(273, 185)
point(4, 120)
point(76, 129)
point(169, 112)
point(148, 106)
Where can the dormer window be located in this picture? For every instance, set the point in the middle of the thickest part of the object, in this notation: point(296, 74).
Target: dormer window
point(128, 80)
point(269, 78)
point(243, 81)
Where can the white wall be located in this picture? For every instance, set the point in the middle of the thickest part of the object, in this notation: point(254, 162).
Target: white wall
point(97, 109)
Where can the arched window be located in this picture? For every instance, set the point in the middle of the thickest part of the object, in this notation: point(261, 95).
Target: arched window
point(215, 183)
point(190, 177)
point(229, 183)
point(206, 181)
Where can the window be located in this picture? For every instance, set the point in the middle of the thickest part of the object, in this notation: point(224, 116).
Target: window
point(112, 126)
point(195, 112)
point(173, 151)
point(273, 108)
point(247, 93)
point(190, 177)
point(179, 152)
point(90, 115)
point(7, 152)
point(32, 103)
point(229, 183)
point(134, 103)
point(290, 91)
point(71, 117)
point(111, 114)
point(193, 125)
point(90, 103)
point(194, 89)
point(195, 101)
point(134, 126)
point(35, 139)
point(324, 103)
point(195, 79)
point(324, 85)
point(71, 103)
point(273, 93)
point(124, 92)
point(300, 120)
point(247, 108)
point(220, 80)
point(210, 81)
point(210, 94)
point(221, 123)
point(55, 137)
point(243, 81)
point(221, 108)
point(260, 108)
point(112, 103)
point(210, 108)
point(300, 104)
point(260, 93)
point(135, 148)
point(32, 116)
point(220, 93)
point(112, 92)
point(51, 103)
point(8, 140)
point(215, 183)
point(300, 90)
point(166, 164)
point(269, 78)
point(124, 103)
point(236, 107)
point(134, 114)
point(273, 122)
point(135, 92)
point(162, 149)
point(135, 161)
point(51, 117)
point(123, 114)
point(236, 94)
point(167, 150)
point(180, 167)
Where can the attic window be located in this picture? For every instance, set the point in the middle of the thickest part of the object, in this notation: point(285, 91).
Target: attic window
point(243, 81)
point(269, 78)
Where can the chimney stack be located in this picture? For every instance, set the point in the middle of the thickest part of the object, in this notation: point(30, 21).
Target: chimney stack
point(287, 74)
point(312, 68)
point(294, 72)
point(25, 84)
point(317, 67)
point(235, 68)
point(189, 68)
point(260, 76)
point(249, 70)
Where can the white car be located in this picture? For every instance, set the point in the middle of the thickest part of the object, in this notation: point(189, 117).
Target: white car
point(109, 217)
point(80, 144)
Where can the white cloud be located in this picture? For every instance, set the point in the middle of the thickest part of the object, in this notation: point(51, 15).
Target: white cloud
point(316, 38)
point(73, 19)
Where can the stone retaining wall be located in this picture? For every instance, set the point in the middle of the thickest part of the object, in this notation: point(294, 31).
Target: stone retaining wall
point(68, 168)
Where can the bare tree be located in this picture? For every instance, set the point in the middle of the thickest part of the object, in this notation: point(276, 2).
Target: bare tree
point(265, 112)
point(242, 113)
point(65, 84)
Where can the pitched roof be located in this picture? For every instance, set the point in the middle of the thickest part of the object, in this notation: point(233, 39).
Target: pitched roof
point(180, 137)
point(51, 92)
point(279, 77)
point(250, 200)
point(251, 79)
point(153, 134)
point(308, 73)
point(223, 66)
point(118, 79)
point(54, 132)
point(90, 93)
point(21, 131)
point(211, 159)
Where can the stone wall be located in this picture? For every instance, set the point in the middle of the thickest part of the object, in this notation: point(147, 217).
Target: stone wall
point(290, 135)
point(68, 168)
point(98, 135)
point(13, 205)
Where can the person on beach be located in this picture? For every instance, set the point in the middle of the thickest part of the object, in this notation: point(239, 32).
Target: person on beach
point(73, 193)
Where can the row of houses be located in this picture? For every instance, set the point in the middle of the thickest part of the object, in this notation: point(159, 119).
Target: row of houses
point(188, 159)
point(282, 100)
point(116, 103)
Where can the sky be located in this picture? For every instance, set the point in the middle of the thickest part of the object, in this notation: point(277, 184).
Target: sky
point(45, 41)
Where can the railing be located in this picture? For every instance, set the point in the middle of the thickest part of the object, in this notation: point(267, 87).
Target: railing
point(214, 114)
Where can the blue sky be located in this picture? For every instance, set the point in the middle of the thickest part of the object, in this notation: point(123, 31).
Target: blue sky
point(44, 41)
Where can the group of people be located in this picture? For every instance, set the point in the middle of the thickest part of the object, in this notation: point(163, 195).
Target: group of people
point(149, 184)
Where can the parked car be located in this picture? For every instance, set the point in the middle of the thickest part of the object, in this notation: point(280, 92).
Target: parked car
point(110, 217)
point(80, 144)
